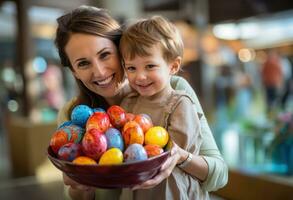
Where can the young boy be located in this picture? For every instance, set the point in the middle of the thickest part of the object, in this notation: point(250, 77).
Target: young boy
point(152, 51)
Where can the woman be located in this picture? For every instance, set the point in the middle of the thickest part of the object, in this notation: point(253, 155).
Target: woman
point(87, 39)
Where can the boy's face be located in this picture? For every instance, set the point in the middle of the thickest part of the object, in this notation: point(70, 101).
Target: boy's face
point(149, 75)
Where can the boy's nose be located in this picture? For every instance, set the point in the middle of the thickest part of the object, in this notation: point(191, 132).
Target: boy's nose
point(141, 76)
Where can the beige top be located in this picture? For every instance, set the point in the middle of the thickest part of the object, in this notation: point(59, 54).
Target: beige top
point(173, 110)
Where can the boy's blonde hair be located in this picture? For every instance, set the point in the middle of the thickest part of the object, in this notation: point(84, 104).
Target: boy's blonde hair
point(138, 38)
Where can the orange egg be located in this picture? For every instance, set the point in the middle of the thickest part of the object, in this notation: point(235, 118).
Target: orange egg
point(84, 160)
point(153, 150)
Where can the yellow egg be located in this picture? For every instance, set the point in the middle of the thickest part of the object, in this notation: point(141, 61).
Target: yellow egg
point(112, 156)
point(157, 135)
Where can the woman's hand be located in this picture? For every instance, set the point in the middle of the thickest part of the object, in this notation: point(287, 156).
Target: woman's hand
point(77, 190)
point(165, 170)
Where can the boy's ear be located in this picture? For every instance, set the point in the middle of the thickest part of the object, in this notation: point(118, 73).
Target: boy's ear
point(175, 65)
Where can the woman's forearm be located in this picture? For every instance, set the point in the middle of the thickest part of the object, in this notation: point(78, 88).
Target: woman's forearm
point(197, 167)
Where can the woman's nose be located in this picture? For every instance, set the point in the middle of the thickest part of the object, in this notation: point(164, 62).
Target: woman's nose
point(98, 69)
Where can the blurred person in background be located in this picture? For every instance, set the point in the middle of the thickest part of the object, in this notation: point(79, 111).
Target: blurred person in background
point(272, 77)
point(87, 39)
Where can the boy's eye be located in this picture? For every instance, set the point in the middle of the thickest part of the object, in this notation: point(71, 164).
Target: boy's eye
point(130, 69)
point(150, 66)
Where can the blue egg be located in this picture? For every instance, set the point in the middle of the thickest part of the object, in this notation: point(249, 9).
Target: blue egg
point(80, 115)
point(67, 123)
point(135, 152)
point(114, 139)
point(98, 110)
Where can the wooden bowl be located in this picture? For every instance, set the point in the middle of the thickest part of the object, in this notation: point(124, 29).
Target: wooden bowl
point(111, 176)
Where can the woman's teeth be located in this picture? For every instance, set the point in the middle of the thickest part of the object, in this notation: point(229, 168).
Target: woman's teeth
point(105, 81)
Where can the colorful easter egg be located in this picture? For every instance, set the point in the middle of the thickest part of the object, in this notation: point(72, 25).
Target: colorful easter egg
point(66, 123)
point(133, 135)
point(80, 114)
point(84, 160)
point(129, 117)
point(114, 139)
point(157, 135)
point(66, 135)
point(98, 120)
point(94, 143)
point(144, 121)
point(112, 156)
point(135, 152)
point(129, 125)
point(70, 151)
point(153, 150)
point(98, 110)
point(117, 116)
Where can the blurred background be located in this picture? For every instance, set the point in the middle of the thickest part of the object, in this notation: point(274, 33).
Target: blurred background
point(238, 58)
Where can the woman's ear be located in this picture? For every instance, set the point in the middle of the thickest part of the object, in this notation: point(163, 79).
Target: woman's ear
point(175, 65)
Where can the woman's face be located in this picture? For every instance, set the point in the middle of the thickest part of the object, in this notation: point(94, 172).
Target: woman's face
point(96, 63)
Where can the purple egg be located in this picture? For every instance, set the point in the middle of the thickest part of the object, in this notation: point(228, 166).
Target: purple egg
point(80, 114)
point(135, 152)
point(70, 151)
point(114, 139)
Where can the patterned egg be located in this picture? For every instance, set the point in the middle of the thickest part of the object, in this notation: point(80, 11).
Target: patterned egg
point(129, 125)
point(135, 152)
point(112, 156)
point(157, 135)
point(144, 121)
point(66, 135)
point(98, 110)
point(84, 160)
point(98, 120)
point(133, 135)
point(129, 117)
point(66, 123)
point(153, 150)
point(70, 151)
point(94, 143)
point(114, 139)
point(80, 114)
point(117, 116)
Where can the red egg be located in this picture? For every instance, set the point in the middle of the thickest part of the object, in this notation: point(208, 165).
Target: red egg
point(153, 150)
point(70, 151)
point(94, 143)
point(144, 121)
point(129, 117)
point(98, 120)
point(133, 135)
point(117, 116)
point(64, 135)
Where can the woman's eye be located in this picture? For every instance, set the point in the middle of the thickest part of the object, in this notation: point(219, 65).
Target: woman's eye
point(83, 64)
point(104, 55)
